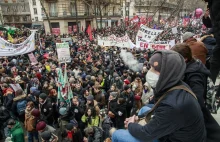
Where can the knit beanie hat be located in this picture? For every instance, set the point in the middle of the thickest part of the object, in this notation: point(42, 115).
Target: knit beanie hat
point(156, 61)
point(43, 96)
point(32, 89)
point(35, 113)
point(126, 81)
point(63, 111)
point(187, 35)
point(69, 126)
point(114, 94)
point(46, 135)
point(126, 87)
point(41, 126)
point(90, 98)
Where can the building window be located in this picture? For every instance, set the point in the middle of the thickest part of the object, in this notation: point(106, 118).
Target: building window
point(35, 11)
point(53, 9)
point(34, 2)
point(24, 18)
point(36, 18)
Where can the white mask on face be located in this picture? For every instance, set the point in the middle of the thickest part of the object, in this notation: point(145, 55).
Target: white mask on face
point(152, 78)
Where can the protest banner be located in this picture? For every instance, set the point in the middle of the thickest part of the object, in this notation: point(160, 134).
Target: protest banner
point(70, 30)
point(56, 31)
point(159, 46)
point(146, 35)
point(9, 49)
point(63, 52)
point(32, 59)
point(112, 40)
point(66, 39)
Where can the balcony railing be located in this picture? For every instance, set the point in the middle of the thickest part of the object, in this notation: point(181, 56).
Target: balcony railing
point(53, 14)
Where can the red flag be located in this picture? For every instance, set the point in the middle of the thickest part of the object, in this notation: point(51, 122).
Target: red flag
point(89, 32)
point(82, 28)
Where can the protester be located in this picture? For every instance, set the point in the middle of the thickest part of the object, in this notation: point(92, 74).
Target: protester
point(102, 86)
point(30, 122)
point(166, 66)
point(196, 76)
point(15, 131)
point(199, 50)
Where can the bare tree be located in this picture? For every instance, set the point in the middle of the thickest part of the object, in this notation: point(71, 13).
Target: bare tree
point(47, 16)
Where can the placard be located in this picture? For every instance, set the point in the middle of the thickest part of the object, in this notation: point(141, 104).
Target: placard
point(63, 52)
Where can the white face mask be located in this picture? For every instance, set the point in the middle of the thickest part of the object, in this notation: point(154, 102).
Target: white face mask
point(152, 78)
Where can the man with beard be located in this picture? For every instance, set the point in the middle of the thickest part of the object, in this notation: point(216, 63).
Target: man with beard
point(126, 76)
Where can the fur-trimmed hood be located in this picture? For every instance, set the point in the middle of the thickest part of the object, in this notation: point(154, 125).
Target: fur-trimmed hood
point(20, 97)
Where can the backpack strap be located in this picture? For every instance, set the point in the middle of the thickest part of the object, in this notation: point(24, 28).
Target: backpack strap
point(180, 87)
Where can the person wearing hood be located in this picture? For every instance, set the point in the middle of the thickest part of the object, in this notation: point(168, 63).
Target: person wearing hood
point(198, 49)
point(46, 109)
point(147, 93)
point(210, 43)
point(19, 104)
point(8, 94)
point(15, 130)
point(33, 96)
point(195, 76)
point(174, 119)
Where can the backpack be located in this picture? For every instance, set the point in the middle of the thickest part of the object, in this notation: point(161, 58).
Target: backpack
point(107, 124)
point(21, 106)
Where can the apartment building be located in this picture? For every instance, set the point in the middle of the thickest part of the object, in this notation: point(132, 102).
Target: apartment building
point(16, 13)
point(67, 16)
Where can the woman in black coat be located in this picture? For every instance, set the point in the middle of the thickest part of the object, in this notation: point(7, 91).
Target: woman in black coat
point(120, 113)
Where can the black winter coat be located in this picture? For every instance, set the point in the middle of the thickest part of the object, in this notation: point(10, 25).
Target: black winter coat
point(47, 111)
point(196, 77)
point(214, 8)
point(177, 117)
point(78, 111)
point(120, 115)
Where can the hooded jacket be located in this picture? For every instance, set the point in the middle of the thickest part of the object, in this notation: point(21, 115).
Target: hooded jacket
point(210, 43)
point(174, 119)
point(196, 77)
point(17, 133)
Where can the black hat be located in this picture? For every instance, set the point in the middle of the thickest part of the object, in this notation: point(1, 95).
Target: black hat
point(43, 96)
point(69, 126)
point(156, 61)
point(126, 87)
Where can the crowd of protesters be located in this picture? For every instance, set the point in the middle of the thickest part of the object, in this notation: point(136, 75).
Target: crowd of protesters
point(108, 96)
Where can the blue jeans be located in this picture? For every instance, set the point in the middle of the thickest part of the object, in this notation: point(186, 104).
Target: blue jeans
point(124, 136)
point(32, 135)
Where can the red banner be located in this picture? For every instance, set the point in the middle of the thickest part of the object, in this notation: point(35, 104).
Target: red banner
point(75, 28)
point(56, 31)
point(70, 30)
